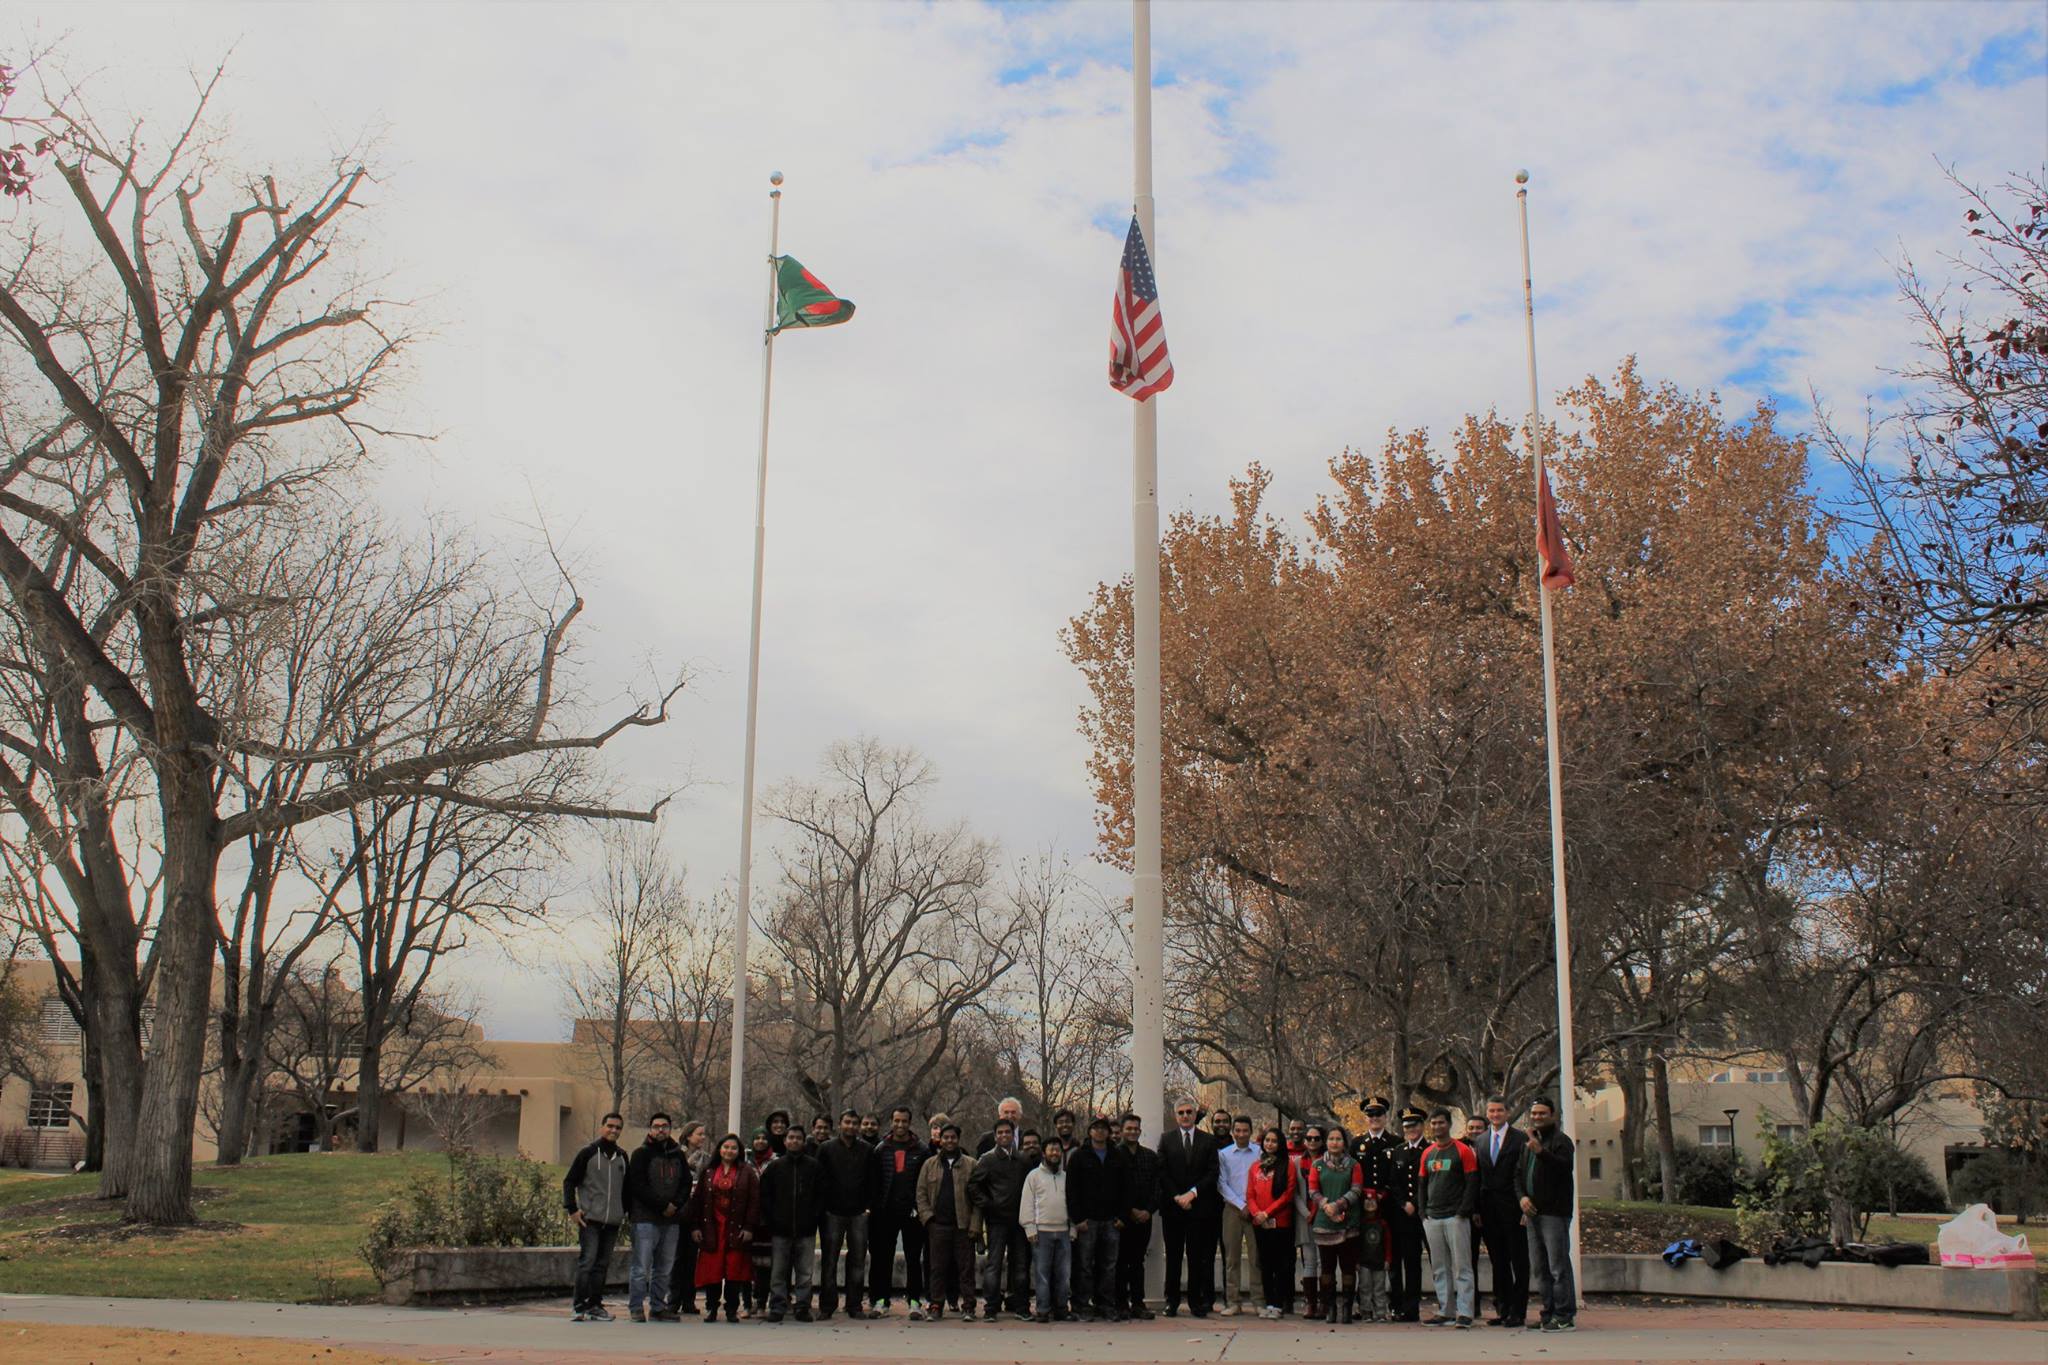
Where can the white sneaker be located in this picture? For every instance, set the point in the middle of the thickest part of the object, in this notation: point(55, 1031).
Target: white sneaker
point(1228, 1310)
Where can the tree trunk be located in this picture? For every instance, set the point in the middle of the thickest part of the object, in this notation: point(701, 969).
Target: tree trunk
point(369, 1095)
point(239, 1078)
point(1628, 1078)
point(117, 1048)
point(95, 1106)
point(1667, 1143)
point(1841, 1219)
point(160, 1164)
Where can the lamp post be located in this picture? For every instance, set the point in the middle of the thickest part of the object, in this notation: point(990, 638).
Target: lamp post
point(1733, 1150)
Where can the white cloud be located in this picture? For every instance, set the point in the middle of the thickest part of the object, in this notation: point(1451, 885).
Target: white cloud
point(579, 192)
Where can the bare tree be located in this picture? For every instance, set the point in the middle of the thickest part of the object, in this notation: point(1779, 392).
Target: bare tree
point(611, 972)
point(458, 1111)
point(1959, 522)
point(315, 1047)
point(1067, 1013)
point(883, 925)
point(689, 1006)
point(195, 372)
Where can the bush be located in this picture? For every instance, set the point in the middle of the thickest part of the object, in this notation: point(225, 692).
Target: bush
point(2006, 1180)
point(483, 1201)
point(1805, 1179)
point(1712, 1177)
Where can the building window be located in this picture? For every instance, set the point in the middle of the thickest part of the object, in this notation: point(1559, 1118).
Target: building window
point(1721, 1078)
point(1764, 1077)
point(49, 1106)
point(1593, 1167)
point(58, 1025)
point(1791, 1132)
point(1717, 1135)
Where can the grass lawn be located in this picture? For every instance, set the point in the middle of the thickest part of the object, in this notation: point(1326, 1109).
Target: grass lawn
point(279, 1228)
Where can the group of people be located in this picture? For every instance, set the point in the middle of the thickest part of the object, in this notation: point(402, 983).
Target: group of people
point(802, 1222)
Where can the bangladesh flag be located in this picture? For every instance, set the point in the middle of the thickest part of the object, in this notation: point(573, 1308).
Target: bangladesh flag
point(802, 300)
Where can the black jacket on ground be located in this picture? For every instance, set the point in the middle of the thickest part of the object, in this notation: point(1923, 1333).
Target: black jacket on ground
point(1098, 1189)
point(850, 1176)
point(1183, 1167)
point(657, 1178)
point(997, 1185)
point(896, 1167)
point(1545, 1176)
point(793, 1195)
point(1497, 1178)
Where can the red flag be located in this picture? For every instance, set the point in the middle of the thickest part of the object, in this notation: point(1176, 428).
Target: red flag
point(1557, 560)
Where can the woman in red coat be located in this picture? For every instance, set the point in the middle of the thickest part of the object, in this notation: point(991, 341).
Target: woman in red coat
point(724, 1209)
point(1269, 1203)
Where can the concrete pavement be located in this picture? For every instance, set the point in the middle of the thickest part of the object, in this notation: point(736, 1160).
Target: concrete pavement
point(533, 1333)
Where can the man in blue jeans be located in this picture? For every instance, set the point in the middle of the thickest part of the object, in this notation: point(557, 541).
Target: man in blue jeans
point(1543, 1188)
point(1098, 1194)
point(1042, 1213)
point(657, 1187)
point(594, 1196)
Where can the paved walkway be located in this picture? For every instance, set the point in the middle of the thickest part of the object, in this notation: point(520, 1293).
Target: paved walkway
point(532, 1333)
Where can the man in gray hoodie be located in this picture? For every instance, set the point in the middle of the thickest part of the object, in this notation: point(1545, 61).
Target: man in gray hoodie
point(594, 1194)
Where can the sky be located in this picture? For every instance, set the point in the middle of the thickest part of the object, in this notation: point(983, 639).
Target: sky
point(574, 200)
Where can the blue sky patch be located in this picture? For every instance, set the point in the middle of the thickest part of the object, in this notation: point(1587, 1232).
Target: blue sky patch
point(2010, 58)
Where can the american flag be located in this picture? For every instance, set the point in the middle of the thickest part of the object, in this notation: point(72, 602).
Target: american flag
point(1138, 364)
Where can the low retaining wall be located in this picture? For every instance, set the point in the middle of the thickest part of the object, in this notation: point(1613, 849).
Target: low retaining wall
point(1840, 1284)
point(503, 1272)
point(490, 1272)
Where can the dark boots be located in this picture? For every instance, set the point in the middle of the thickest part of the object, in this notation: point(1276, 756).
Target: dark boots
point(1313, 1305)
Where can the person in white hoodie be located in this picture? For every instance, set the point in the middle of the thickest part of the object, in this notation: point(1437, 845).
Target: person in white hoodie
point(1042, 1213)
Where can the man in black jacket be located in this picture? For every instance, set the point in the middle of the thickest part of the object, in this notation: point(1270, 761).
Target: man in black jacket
point(657, 1187)
point(897, 1159)
point(594, 1195)
point(995, 1188)
point(1098, 1195)
point(1499, 1149)
point(1543, 1191)
point(1134, 1235)
point(849, 1166)
point(1404, 1283)
point(792, 1205)
point(1190, 1209)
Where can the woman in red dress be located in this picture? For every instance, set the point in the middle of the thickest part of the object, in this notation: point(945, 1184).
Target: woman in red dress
point(723, 1211)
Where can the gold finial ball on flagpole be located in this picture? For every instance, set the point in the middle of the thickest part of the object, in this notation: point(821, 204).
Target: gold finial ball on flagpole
point(775, 177)
point(1521, 177)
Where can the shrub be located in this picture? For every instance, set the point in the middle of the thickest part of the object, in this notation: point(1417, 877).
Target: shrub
point(2007, 1180)
point(482, 1201)
point(1712, 1177)
point(1835, 1169)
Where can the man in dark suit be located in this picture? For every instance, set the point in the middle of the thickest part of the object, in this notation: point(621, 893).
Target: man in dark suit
point(1190, 1209)
point(1404, 1285)
point(1499, 1150)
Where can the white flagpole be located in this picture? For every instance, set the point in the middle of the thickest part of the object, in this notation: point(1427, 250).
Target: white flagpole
point(736, 1101)
point(1567, 1082)
point(1148, 908)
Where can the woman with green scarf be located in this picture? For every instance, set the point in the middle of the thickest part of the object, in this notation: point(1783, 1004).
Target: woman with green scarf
point(1336, 1196)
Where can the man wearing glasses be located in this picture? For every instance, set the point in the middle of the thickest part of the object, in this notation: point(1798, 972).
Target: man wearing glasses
point(1190, 1209)
point(657, 1187)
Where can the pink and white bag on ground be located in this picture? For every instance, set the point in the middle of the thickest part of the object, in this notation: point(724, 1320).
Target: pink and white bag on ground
point(1972, 1238)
